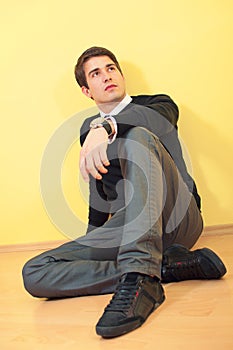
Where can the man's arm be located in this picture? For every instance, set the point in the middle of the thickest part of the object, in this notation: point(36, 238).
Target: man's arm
point(143, 113)
point(157, 113)
point(161, 103)
point(99, 208)
point(93, 155)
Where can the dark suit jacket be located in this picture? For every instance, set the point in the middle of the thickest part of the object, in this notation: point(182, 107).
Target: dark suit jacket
point(157, 113)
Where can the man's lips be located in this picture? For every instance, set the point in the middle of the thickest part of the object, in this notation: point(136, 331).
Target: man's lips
point(109, 87)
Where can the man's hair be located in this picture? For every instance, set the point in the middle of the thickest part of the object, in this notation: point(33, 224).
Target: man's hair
point(86, 55)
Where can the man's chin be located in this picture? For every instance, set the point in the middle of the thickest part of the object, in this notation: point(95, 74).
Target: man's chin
point(113, 98)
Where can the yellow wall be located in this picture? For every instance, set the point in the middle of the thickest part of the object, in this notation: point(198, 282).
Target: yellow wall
point(183, 48)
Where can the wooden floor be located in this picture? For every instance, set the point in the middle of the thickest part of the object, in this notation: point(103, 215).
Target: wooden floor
point(196, 314)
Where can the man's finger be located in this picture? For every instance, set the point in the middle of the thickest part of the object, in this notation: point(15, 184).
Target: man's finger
point(82, 167)
point(99, 164)
point(90, 167)
point(103, 156)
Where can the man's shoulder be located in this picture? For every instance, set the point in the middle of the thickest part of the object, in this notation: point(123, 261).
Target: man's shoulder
point(161, 103)
point(150, 99)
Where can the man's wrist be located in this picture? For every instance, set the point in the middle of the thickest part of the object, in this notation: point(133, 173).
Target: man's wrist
point(112, 127)
point(104, 123)
point(112, 137)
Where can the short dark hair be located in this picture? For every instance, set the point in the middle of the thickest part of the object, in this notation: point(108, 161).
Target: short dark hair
point(86, 55)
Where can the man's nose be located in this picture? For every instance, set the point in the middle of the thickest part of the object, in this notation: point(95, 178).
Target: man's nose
point(106, 77)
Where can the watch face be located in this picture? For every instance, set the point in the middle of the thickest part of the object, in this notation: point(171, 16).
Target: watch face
point(101, 122)
point(97, 121)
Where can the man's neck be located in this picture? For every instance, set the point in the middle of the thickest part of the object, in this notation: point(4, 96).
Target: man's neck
point(106, 108)
point(115, 107)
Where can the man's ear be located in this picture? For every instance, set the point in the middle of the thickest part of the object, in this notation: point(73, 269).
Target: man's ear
point(86, 91)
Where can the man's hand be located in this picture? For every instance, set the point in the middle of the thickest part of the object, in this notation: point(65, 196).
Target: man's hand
point(93, 155)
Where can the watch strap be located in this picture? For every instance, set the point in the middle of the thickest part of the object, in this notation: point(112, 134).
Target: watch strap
point(101, 122)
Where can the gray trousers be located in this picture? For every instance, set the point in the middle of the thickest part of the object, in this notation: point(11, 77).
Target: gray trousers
point(159, 211)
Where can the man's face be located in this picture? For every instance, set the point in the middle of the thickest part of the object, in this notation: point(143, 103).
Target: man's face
point(106, 85)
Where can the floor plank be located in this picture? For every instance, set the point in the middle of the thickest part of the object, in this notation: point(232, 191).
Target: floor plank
point(196, 314)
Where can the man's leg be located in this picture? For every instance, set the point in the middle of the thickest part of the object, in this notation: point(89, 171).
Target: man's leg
point(151, 189)
point(72, 270)
point(162, 215)
point(160, 211)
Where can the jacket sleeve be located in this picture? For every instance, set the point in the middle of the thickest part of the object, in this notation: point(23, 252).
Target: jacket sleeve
point(162, 104)
point(84, 130)
point(99, 208)
point(157, 113)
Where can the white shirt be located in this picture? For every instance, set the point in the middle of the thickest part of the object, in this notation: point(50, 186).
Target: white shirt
point(116, 110)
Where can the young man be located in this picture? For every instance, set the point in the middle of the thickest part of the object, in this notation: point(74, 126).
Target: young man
point(144, 208)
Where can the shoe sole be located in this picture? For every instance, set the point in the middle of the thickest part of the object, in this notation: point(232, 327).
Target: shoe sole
point(111, 332)
point(107, 332)
point(220, 268)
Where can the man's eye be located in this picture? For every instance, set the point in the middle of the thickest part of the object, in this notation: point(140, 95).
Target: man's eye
point(95, 74)
point(111, 68)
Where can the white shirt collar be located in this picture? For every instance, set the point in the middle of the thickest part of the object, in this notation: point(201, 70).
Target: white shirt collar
point(121, 105)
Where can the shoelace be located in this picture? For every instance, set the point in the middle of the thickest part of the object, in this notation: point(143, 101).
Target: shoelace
point(122, 299)
point(183, 269)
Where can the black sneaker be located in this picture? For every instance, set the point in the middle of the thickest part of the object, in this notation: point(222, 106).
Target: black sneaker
point(135, 298)
point(180, 264)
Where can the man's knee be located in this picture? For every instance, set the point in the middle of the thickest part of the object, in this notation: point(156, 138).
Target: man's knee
point(138, 143)
point(32, 279)
point(139, 133)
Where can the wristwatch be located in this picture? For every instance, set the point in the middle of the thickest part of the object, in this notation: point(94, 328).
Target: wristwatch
point(101, 122)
